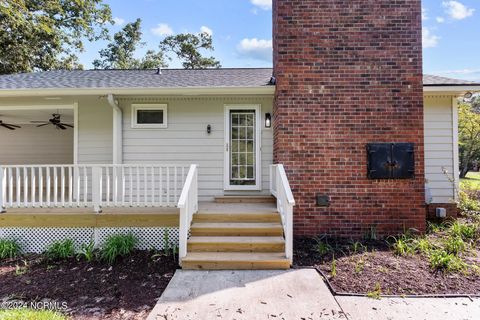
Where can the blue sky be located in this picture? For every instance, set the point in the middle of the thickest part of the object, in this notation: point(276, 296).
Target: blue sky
point(242, 31)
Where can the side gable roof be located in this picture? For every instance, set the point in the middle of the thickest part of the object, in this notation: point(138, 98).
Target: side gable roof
point(432, 80)
point(130, 79)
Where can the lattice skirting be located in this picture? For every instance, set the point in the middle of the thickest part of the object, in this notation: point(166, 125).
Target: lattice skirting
point(36, 240)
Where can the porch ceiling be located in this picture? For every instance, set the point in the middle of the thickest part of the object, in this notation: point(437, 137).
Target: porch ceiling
point(24, 117)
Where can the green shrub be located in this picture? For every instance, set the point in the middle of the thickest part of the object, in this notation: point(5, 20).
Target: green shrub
point(28, 314)
point(9, 248)
point(455, 245)
point(442, 260)
point(60, 250)
point(467, 201)
point(463, 230)
point(87, 252)
point(117, 246)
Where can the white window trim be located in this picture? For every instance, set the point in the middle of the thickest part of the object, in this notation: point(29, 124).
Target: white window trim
point(136, 107)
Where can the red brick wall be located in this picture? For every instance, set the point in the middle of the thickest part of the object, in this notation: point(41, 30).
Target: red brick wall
point(348, 73)
point(452, 210)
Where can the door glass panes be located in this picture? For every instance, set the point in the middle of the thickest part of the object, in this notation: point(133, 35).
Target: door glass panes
point(242, 151)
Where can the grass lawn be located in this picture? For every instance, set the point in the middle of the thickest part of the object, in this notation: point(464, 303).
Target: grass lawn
point(28, 314)
point(473, 179)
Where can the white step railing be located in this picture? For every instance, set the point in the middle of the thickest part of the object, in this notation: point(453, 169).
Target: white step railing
point(188, 204)
point(94, 186)
point(280, 188)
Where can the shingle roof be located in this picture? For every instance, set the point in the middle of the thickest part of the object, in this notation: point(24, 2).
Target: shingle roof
point(431, 80)
point(169, 78)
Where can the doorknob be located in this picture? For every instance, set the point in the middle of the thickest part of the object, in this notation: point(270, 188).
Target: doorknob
point(226, 146)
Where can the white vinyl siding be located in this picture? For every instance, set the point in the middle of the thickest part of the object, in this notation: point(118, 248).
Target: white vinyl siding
point(95, 131)
point(32, 145)
point(186, 140)
point(439, 147)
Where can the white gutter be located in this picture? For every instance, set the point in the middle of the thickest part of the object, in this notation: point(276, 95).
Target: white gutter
point(178, 91)
point(117, 130)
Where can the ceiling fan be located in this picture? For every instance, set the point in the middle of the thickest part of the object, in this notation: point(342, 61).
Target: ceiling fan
point(9, 126)
point(55, 121)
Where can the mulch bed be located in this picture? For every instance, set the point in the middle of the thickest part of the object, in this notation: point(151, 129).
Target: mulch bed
point(127, 290)
point(359, 272)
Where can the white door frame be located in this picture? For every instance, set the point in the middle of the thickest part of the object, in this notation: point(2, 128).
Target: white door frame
point(258, 142)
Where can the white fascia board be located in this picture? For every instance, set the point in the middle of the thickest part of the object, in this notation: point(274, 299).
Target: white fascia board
point(187, 91)
point(452, 89)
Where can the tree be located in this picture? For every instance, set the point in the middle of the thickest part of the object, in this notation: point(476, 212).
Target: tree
point(187, 46)
point(469, 137)
point(37, 35)
point(120, 53)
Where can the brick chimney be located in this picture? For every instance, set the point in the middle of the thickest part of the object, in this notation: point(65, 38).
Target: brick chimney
point(348, 73)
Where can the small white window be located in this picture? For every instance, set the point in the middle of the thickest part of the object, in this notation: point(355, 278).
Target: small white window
point(149, 116)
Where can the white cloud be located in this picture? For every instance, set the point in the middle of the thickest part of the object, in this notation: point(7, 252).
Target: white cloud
point(429, 39)
point(207, 30)
point(162, 29)
point(440, 19)
point(118, 21)
point(424, 14)
point(457, 10)
point(263, 4)
point(254, 48)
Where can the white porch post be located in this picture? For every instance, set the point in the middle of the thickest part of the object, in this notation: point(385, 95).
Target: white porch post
point(3, 189)
point(97, 188)
point(117, 130)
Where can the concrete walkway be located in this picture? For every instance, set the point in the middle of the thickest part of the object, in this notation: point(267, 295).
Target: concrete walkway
point(360, 308)
point(290, 295)
point(246, 295)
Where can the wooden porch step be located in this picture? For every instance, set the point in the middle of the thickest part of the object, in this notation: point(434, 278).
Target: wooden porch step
point(236, 244)
point(235, 261)
point(245, 199)
point(238, 217)
point(236, 229)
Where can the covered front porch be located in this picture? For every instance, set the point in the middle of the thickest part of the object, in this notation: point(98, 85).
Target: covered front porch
point(157, 203)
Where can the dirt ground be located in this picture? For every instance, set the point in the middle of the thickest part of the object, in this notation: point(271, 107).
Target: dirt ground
point(127, 290)
point(359, 272)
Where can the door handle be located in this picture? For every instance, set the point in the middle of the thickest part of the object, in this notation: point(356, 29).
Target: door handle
point(226, 146)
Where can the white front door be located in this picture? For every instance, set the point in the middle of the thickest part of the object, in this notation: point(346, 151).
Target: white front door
point(242, 147)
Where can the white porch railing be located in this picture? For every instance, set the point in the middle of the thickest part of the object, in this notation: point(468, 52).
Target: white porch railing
point(188, 204)
point(95, 186)
point(280, 188)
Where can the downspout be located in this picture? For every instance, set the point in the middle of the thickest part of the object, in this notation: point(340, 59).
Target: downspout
point(117, 130)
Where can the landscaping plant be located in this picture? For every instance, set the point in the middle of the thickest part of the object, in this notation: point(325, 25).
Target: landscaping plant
point(322, 247)
point(60, 250)
point(463, 230)
point(455, 245)
point(87, 252)
point(376, 292)
point(117, 246)
point(442, 260)
point(403, 245)
point(9, 249)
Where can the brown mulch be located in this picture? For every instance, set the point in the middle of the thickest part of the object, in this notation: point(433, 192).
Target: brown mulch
point(359, 272)
point(127, 290)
